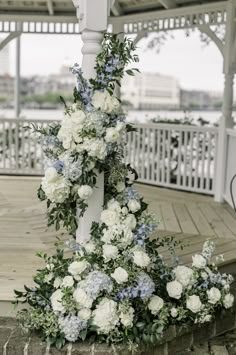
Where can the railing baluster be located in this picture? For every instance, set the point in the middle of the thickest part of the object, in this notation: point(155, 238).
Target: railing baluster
point(185, 157)
point(196, 162)
point(203, 160)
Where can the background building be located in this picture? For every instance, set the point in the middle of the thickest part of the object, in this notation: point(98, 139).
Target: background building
point(150, 91)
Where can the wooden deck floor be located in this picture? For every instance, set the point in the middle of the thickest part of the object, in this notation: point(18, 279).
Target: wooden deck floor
point(188, 217)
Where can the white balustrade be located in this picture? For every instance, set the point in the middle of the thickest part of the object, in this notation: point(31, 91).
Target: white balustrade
point(168, 155)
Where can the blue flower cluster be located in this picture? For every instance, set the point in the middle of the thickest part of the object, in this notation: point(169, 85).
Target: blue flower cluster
point(71, 326)
point(144, 289)
point(96, 282)
point(130, 194)
point(50, 142)
point(59, 166)
point(142, 231)
point(83, 88)
point(73, 169)
point(106, 75)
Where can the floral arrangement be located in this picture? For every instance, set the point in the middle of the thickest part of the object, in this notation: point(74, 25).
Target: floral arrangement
point(116, 287)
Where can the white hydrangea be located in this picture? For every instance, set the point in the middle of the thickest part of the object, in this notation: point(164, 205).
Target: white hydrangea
point(109, 252)
point(77, 267)
point(183, 274)
point(112, 135)
point(120, 186)
point(194, 304)
point(120, 275)
point(174, 289)
point(155, 304)
point(214, 295)
point(105, 316)
point(134, 205)
point(130, 221)
point(95, 147)
point(105, 102)
point(56, 301)
point(56, 191)
point(85, 313)
point(114, 205)
point(68, 281)
point(199, 261)
point(85, 191)
point(228, 300)
point(127, 317)
point(141, 258)
point(109, 217)
point(81, 297)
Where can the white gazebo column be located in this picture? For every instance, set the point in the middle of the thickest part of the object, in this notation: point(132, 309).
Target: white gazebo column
point(17, 78)
point(93, 21)
point(227, 118)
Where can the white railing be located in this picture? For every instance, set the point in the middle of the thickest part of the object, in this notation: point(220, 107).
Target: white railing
point(20, 151)
point(230, 169)
point(174, 156)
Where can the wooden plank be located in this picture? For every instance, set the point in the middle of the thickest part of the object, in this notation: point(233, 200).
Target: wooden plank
point(184, 219)
point(215, 221)
point(169, 217)
point(228, 218)
point(200, 221)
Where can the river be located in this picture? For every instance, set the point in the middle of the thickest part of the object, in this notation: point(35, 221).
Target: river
point(132, 116)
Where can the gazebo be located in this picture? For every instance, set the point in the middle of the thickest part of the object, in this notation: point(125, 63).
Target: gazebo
point(202, 162)
point(137, 17)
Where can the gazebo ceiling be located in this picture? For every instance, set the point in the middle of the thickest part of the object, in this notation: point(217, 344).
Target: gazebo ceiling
point(66, 8)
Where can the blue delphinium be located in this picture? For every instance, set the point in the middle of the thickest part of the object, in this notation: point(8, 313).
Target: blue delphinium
point(71, 326)
point(58, 165)
point(84, 90)
point(142, 231)
point(144, 288)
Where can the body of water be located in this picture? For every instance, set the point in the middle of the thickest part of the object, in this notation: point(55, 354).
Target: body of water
point(132, 116)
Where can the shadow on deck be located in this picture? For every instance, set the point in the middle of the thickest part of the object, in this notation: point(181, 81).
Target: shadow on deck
point(189, 217)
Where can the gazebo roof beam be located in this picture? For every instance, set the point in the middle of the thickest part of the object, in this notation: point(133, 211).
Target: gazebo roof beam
point(50, 7)
point(185, 17)
point(168, 4)
point(116, 9)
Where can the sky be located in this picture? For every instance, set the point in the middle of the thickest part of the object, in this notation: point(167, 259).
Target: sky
point(195, 65)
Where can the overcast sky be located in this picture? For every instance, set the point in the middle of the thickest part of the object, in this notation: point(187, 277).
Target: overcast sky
point(186, 58)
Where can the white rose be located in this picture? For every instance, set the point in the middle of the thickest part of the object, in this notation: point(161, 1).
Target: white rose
point(214, 295)
point(107, 235)
point(124, 211)
point(105, 102)
point(199, 261)
point(105, 316)
point(57, 282)
point(184, 275)
point(174, 289)
point(141, 258)
point(130, 221)
point(109, 217)
point(206, 318)
point(109, 252)
point(114, 205)
point(89, 247)
point(127, 238)
point(120, 275)
point(194, 304)
point(134, 205)
point(112, 135)
point(77, 117)
point(56, 300)
point(84, 314)
point(56, 191)
point(82, 298)
point(48, 277)
point(68, 281)
point(85, 191)
point(228, 300)
point(127, 318)
point(77, 267)
point(51, 175)
point(120, 186)
point(174, 312)
point(156, 304)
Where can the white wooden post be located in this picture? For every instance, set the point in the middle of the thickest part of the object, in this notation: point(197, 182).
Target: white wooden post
point(93, 21)
point(226, 119)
